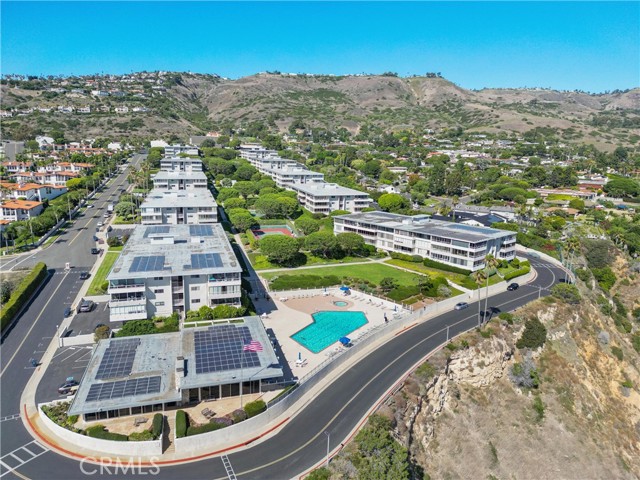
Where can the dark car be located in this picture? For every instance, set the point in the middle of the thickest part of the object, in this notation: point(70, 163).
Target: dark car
point(95, 251)
point(67, 387)
point(565, 280)
point(67, 312)
point(85, 306)
point(513, 286)
point(461, 306)
point(84, 275)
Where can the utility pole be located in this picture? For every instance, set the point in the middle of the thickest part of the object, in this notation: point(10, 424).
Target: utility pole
point(328, 439)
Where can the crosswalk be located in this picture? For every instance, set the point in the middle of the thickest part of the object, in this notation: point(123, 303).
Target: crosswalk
point(227, 466)
point(20, 456)
point(10, 417)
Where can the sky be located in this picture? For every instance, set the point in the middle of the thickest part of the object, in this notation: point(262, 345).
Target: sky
point(591, 46)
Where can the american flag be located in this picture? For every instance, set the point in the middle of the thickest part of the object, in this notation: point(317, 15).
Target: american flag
point(253, 346)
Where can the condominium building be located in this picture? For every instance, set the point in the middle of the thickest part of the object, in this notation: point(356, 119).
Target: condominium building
point(173, 268)
point(454, 244)
point(287, 176)
point(175, 150)
point(181, 164)
point(321, 197)
point(170, 180)
point(195, 206)
point(16, 210)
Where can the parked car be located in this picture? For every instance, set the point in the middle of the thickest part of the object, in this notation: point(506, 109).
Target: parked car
point(84, 275)
point(94, 251)
point(67, 312)
point(109, 228)
point(100, 224)
point(461, 306)
point(106, 215)
point(89, 206)
point(67, 387)
point(85, 305)
point(513, 286)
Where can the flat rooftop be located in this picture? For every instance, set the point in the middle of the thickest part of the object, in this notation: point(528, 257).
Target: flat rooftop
point(158, 198)
point(141, 370)
point(323, 188)
point(425, 225)
point(173, 250)
point(293, 170)
point(164, 175)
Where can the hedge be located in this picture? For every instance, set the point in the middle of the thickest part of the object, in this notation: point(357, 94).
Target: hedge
point(22, 293)
point(99, 431)
point(443, 266)
point(525, 268)
point(182, 423)
point(406, 258)
point(293, 282)
point(156, 426)
point(254, 408)
point(207, 427)
point(400, 293)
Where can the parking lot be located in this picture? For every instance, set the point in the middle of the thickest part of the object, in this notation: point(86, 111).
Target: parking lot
point(67, 362)
point(85, 323)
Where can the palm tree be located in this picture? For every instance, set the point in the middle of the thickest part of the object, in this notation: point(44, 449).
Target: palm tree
point(454, 202)
point(573, 246)
point(490, 262)
point(479, 277)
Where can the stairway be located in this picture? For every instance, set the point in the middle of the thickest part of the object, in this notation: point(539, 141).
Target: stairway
point(168, 434)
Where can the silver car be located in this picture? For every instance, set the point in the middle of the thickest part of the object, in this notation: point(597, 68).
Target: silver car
point(461, 306)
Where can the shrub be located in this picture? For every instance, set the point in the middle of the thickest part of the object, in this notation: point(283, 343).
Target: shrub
point(605, 277)
point(534, 335)
point(507, 317)
point(99, 431)
point(442, 266)
point(182, 423)
point(635, 341)
point(567, 292)
point(425, 372)
point(254, 408)
point(101, 333)
point(617, 352)
point(238, 415)
point(400, 293)
point(22, 293)
point(156, 425)
point(207, 427)
point(583, 274)
point(406, 257)
point(224, 421)
point(523, 270)
point(143, 436)
point(321, 473)
point(525, 374)
point(538, 407)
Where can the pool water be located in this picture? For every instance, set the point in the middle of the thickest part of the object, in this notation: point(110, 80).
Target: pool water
point(340, 303)
point(327, 328)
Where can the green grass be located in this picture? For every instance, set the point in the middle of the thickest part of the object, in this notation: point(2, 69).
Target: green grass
point(116, 249)
point(457, 278)
point(559, 197)
point(260, 262)
point(373, 272)
point(101, 275)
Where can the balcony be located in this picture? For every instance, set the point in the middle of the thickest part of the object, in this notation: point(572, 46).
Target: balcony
point(126, 316)
point(137, 287)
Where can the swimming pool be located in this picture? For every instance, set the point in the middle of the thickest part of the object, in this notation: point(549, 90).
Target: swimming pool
point(340, 303)
point(327, 328)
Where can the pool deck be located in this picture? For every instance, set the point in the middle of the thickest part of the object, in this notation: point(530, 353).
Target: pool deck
point(293, 314)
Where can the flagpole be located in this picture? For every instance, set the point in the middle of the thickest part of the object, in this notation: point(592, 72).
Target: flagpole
point(241, 372)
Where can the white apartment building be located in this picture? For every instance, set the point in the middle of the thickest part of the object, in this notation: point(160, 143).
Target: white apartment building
point(287, 176)
point(173, 268)
point(193, 207)
point(454, 244)
point(180, 164)
point(175, 150)
point(164, 180)
point(321, 197)
point(16, 210)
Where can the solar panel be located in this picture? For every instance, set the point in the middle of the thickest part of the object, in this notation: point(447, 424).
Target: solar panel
point(117, 360)
point(123, 388)
point(155, 229)
point(220, 348)
point(152, 263)
point(201, 230)
point(206, 260)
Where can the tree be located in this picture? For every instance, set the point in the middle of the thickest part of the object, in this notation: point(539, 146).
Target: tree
point(233, 203)
point(479, 277)
point(534, 334)
point(307, 225)
point(388, 283)
point(280, 249)
point(372, 168)
point(392, 202)
point(245, 172)
point(242, 219)
point(350, 243)
point(101, 333)
point(567, 292)
point(578, 204)
point(208, 143)
point(322, 243)
point(246, 188)
point(225, 193)
point(124, 209)
point(622, 187)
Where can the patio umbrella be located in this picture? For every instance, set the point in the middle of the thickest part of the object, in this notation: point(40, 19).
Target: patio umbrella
point(344, 288)
point(299, 356)
point(264, 315)
point(345, 341)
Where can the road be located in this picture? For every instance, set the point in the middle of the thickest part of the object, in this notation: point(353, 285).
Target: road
point(302, 443)
point(33, 331)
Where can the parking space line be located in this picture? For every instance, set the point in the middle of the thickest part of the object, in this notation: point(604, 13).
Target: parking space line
point(5, 458)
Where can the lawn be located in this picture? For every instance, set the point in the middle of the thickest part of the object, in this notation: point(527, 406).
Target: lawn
point(457, 278)
point(559, 197)
point(101, 275)
point(260, 262)
point(373, 272)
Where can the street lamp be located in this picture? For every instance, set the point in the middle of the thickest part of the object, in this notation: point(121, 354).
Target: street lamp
point(328, 439)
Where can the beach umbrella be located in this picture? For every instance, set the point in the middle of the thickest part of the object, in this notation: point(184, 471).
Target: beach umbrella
point(344, 288)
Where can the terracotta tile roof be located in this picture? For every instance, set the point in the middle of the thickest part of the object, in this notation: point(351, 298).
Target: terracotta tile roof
point(24, 204)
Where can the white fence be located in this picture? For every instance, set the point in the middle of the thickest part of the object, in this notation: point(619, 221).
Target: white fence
point(299, 396)
point(151, 448)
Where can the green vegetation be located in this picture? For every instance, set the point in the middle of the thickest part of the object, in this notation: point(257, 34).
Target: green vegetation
point(538, 408)
point(156, 425)
point(534, 335)
point(101, 432)
point(182, 423)
point(148, 327)
point(567, 292)
point(21, 294)
point(99, 283)
point(254, 408)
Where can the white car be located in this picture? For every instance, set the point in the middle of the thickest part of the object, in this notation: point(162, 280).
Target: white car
point(100, 224)
point(89, 206)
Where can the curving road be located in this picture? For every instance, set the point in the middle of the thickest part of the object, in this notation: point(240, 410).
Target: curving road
point(302, 443)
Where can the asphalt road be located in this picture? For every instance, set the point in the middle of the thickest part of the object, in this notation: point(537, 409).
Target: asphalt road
point(32, 333)
point(302, 443)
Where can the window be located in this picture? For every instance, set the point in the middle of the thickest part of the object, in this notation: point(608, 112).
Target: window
point(158, 278)
point(158, 290)
point(195, 300)
point(195, 276)
point(159, 304)
point(195, 289)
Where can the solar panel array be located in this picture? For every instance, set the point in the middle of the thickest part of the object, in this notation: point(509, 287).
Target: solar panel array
point(201, 230)
point(117, 360)
point(151, 263)
point(155, 229)
point(220, 348)
point(205, 260)
point(123, 388)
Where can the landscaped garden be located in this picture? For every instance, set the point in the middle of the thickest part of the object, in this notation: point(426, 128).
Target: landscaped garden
point(99, 283)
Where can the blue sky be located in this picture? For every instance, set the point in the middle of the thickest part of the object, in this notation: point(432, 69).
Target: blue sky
point(591, 46)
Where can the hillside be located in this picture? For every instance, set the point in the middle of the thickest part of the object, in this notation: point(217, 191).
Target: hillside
point(189, 103)
point(462, 415)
